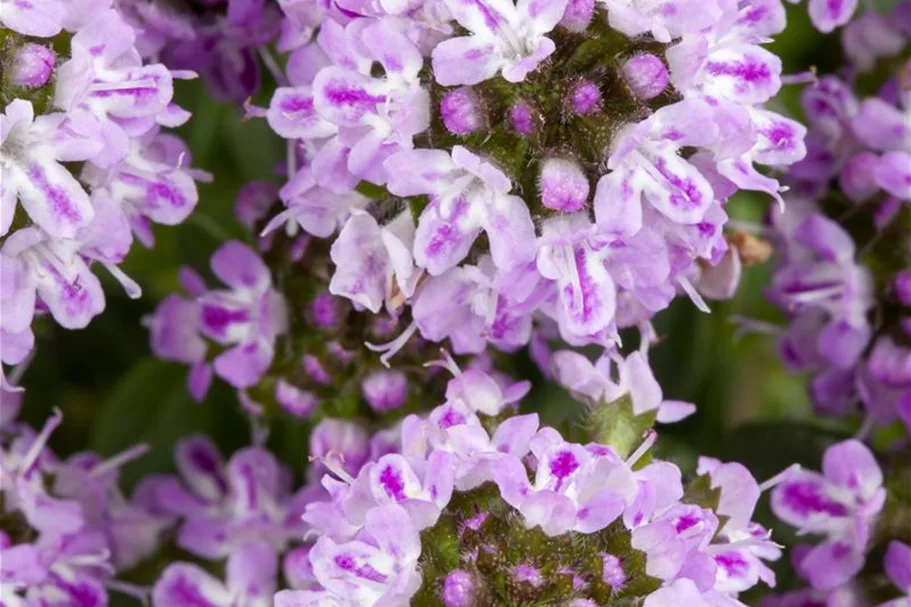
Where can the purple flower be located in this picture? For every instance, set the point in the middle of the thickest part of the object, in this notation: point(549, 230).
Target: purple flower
point(827, 15)
point(385, 390)
point(645, 75)
point(249, 316)
point(505, 37)
point(31, 171)
point(33, 65)
point(460, 111)
point(374, 263)
point(468, 195)
point(897, 564)
point(250, 581)
point(564, 187)
point(594, 384)
point(840, 504)
point(339, 440)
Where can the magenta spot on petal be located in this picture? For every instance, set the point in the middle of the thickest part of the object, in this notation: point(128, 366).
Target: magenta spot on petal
point(687, 521)
point(392, 483)
point(202, 459)
point(60, 203)
point(805, 499)
point(745, 71)
point(733, 563)
point(562, 466)
point(451, 418)
point(295, 104)
point(347, 562)
point(216, 319)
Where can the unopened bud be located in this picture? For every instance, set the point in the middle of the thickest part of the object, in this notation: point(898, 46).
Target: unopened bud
point(564, 186)
point(458, 589)
point(460, 110)
point(646, 76)
point(33, 65)
point(586, 98)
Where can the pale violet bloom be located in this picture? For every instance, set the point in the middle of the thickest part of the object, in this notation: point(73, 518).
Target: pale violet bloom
point(506, 37)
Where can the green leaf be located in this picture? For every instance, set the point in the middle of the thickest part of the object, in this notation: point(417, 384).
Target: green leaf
point(150, 404)
point(615, 424)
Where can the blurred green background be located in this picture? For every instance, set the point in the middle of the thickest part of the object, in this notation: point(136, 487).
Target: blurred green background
point(114, 393)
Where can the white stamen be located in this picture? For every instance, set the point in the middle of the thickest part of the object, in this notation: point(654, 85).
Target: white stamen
point(40, 441)
point(100, 559)
point(694, 295)
point(132, 288)
point(391, 348)
point(140, 593)
point(123, 86)
point(746, 325)
point(329, 461)
point(121, 459)
point(807, 77)
point(648, 441)
point(780, 477)
point(865, 428)
point(817, 295)
point(272, 65)
point(447, 363)
point(647, 336)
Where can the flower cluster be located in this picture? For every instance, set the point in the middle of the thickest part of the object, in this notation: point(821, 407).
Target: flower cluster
point(486, 166)
point(243, 321)
point(67, 529)
point(82, 152)
point(241, 511)
point(286, 343)
point(451, 517)
point(844, 251)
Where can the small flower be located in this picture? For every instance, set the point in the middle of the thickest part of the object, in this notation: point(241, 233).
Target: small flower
point(505, 37)
point(840, 504)
point(248, 317)
point(33, 65)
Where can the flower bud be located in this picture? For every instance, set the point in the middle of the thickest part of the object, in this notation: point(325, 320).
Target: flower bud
point(612, 572)
point(385, 390)
point(324, 310)
point(578, 15)
point(458, 589)
point(586, 98)
point(314, 368)
point(33, 65)
point(522, 119)
point(460, 110)
point(858, 177)
point(295, 401)
point(528, 575)
point(903, 287)
point(646, 76)
point(564, 186)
